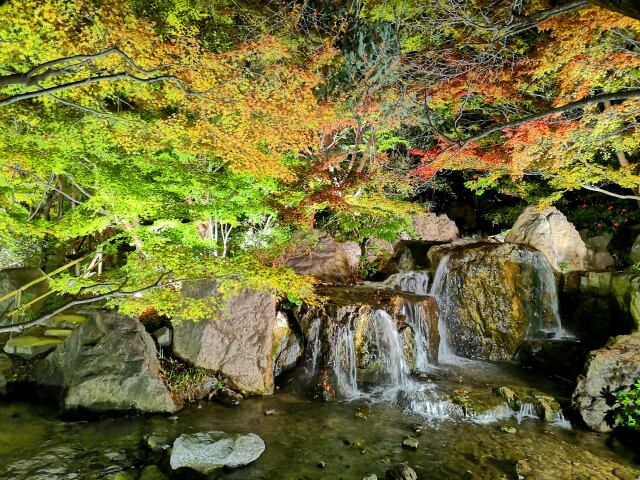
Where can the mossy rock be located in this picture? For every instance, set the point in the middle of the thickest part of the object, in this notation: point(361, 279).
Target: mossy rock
point(474, 402)
point(66, 320)
point(545, 405)
point(27, 346)
point(58, 332)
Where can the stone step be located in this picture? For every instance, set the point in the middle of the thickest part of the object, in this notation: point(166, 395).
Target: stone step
point(66, 320)
point(28, 346)
point(58, 332)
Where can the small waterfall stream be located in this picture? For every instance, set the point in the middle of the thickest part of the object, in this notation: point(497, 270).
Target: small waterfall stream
point(439, 291)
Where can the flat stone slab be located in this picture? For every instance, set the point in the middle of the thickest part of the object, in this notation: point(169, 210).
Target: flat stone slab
point(58, 332)
point(27, 346)
point(66, 320)
point(205, 452)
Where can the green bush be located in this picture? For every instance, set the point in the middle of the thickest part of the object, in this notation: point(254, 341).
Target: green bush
point(626, 409)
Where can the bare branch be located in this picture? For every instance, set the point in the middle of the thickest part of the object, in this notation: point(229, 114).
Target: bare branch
point(114, 293)
point(624, 95)
point(611, 194)
point(90, 80)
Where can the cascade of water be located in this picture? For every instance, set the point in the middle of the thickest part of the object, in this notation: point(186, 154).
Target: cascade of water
point(439, 291)
point(544, 303)
point(314, 346)
point(389, 349)
point(413, 282)
point(527, 410)
point(344, 363)
point(415, 319)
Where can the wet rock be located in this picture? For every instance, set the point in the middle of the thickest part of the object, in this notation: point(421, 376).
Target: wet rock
point(14, 278)
point(507, 429)
point(226, 396)
point(550, 232)
point(373, 476)
point(287, 345)
point(507, 395)
point(158, 442)
point(318, 254)
point(410, 443)
point(623, 285)
point(496, 294)
point(163, 336)
point(435, 228)
point(614, 366)
point(322, 464)
point(109, 363)
point(28, 346)
point(401, 472)
point(205, 452)
point(268, 413)
point(523, 470)
point(596, 283)
point(238, 344)
point(152, 472)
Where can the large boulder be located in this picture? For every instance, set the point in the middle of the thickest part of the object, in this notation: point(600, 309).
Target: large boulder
point(435, 228)
point(377, 250)
point(614, 366)
point(492, 295)
point(13, 278)
point(238, 344)
point(206, 452)
point(108, 363)
point(549, 231)
point(318, 254)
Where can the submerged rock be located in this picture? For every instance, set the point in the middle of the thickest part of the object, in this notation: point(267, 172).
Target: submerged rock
point(614, 366)
point(238, 344)
point(401, 472)
point(108, 363)
point(205, 452)
point(549, 231)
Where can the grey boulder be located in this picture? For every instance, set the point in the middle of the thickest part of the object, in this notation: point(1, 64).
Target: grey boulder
point(205, 452)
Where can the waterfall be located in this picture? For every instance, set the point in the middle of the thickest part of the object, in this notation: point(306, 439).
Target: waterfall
point(544, 307)
point(416, 282)
point(439, 291)
point(314, 345)
point(344, 363)
point(395, 371)
point(412, 282)
point(415, 319)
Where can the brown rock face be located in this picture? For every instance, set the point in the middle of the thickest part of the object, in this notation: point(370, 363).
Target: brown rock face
point(616, 365)
point(550, 232)
point(435, 228)
point(491, 295)
point(238, 344)
point(321, 256)
point(108, 363)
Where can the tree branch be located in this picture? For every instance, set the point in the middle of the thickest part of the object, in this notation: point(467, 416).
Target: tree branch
point(114, 293)
point(611, 194)
point(634, 93)
point(90, 80)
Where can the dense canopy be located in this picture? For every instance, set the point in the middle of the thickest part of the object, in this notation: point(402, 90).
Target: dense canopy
point(183, 139)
